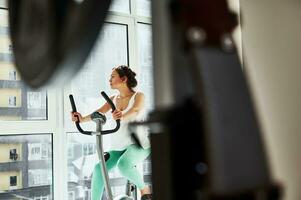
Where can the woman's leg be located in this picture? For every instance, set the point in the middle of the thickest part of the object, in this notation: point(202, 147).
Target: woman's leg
point(97, 184)
point(128, 161)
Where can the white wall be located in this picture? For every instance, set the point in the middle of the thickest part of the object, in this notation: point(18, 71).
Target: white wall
point(271, 37)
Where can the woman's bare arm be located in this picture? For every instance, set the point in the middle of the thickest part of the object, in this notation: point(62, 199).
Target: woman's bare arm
point(103, 109)
point(136, 108)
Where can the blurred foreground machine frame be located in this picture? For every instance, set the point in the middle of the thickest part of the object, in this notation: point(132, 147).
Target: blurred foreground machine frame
point(208, 144)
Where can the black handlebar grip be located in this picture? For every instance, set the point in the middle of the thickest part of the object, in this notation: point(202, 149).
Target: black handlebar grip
point(89, 132)
point(77, 122)
point(107, 98)
point(72, 103)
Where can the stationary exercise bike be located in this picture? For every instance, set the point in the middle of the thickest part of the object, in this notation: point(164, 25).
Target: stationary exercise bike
point(100, 120)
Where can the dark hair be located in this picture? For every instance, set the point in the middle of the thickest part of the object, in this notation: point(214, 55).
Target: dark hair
point(123, 71)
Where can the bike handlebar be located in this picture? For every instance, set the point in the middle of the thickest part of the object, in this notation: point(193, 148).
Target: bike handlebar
point(110, 102)
point(105, 96)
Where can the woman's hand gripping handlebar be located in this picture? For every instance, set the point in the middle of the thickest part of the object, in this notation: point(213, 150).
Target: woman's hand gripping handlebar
point(103, 132)
point(110, 102)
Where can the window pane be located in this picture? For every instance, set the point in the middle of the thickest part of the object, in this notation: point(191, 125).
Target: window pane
point(17, 101)
point(25, 172)
point(110, 50)
point(122, 6)
point(144, 8)
point(3, 3)
point(145, 59)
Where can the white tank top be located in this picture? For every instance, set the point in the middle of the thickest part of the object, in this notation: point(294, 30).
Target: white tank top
point(121, 139)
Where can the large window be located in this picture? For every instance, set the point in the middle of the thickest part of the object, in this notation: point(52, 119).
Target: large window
point(145, 62)
point(42, 166)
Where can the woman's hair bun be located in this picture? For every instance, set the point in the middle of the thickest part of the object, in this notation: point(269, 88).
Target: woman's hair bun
point(123, 71)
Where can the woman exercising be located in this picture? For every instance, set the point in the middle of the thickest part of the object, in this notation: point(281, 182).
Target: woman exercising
point(124, 153)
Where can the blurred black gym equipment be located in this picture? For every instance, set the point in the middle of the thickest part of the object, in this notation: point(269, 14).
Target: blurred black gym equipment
point(52, 39)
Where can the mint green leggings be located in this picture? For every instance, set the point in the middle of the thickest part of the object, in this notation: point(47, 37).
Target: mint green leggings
point(126, 162)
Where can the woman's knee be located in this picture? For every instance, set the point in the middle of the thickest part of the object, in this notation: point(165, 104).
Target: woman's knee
point(124, 165)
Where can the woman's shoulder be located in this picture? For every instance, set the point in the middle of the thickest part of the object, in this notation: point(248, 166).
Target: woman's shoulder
point(139, 95)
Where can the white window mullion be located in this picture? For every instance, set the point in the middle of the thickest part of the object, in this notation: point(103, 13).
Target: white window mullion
point(133, 7)
point(133, 47)
point(60, 171)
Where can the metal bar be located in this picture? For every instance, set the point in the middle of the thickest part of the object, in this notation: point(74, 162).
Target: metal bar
point(102, 162)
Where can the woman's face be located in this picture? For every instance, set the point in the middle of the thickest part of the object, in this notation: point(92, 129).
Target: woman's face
point(115, 80)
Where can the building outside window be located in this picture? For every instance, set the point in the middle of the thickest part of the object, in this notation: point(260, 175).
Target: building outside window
point(38, 177)
point(34, 100)
point(35, 151)
point(39, 151)
point(87, 194)
point(71, 151)
point(12, 75)
point(13, 154)
point(71, 195)
point(13, 181)
point(10, 48)
point(29, 176)
point(41, 198)
point(89, 149)
point(12, 101)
